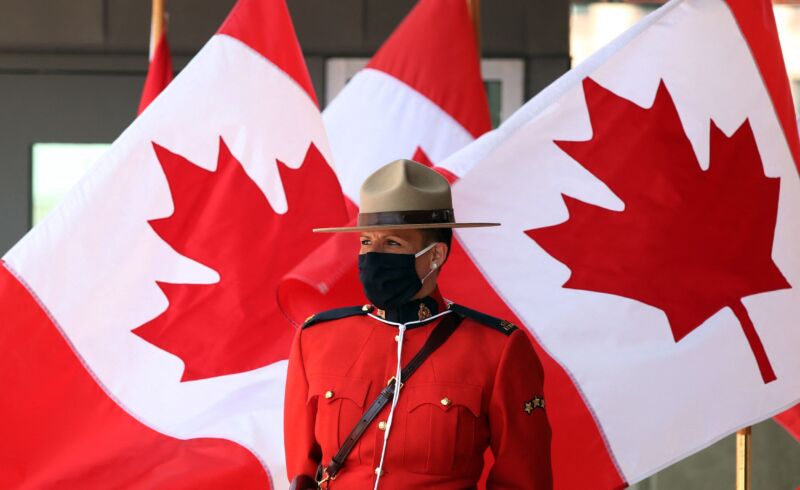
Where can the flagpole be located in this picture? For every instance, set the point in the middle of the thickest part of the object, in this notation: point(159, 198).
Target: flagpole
point(474, 7)
point(156, 25)
point(743, 462)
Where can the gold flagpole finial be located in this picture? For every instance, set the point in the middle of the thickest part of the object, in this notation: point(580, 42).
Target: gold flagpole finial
point(157, 21)
point(474, 7)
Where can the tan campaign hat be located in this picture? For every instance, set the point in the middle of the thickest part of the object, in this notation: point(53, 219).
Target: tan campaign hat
point(405, 194)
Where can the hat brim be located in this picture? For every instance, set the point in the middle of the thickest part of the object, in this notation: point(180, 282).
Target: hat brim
point(409, 226)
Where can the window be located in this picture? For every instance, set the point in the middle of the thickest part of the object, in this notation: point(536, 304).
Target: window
point(56, 168)
point(503, 80)
point(505, 87)
point(787, 18)
point(594, 24)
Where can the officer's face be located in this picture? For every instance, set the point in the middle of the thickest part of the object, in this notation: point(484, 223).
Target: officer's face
point(391, 241)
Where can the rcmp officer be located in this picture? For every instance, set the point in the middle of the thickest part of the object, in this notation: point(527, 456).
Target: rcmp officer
point(468, 381)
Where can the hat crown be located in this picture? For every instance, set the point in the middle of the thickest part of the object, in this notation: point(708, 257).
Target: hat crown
point(404, 185)
point(405, 194)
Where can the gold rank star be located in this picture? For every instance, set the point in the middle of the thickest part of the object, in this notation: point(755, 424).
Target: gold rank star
point(506, 325)
point(533, 404)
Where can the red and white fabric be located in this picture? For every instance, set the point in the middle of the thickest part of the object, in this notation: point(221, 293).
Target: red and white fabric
point(790, 420)
point(421, 94)
point(148, 350)
point(650, 204)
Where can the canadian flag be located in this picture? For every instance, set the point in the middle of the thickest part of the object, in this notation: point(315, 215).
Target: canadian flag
point(143, 344)
point(421, 97)
point(650, 204)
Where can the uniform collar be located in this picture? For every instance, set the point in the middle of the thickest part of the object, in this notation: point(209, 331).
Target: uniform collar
point(415, 310)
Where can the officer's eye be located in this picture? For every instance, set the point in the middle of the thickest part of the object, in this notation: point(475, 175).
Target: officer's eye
point(393, 243)
point(365, 242)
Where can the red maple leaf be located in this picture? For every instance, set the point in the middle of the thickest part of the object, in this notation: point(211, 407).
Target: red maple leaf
point(689, 242)
point(223, 220)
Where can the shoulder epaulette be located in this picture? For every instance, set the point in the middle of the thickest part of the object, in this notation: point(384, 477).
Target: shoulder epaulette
point(336, 314)
point(498, 324)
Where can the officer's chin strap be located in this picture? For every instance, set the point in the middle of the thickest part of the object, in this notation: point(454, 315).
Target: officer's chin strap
point(398, 382)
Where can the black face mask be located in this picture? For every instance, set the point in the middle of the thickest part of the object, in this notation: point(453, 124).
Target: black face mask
point(390, 280)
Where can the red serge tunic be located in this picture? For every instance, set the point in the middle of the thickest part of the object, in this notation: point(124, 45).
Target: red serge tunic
point(482, 388)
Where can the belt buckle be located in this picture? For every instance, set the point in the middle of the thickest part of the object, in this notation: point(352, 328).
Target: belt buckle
point(323, 479)
point(393, 379)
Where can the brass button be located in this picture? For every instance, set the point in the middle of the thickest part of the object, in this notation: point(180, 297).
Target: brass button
point(397, 338)
point(366, 308)
point(382, 425)
point(446, 401)
point(378, 471)
point(329, 394)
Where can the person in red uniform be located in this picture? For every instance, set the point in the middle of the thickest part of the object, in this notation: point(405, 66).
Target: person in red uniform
point(482, 388)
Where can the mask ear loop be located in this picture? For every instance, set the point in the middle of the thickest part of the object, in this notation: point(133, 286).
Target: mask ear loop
point(423, 252)
point(428, 275)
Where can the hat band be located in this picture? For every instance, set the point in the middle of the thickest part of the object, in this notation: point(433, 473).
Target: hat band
point(406, 217)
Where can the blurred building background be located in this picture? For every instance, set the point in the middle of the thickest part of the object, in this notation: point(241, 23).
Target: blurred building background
point(71, 73)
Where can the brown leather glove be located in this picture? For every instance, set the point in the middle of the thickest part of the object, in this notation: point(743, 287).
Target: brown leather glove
point(303, 482)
